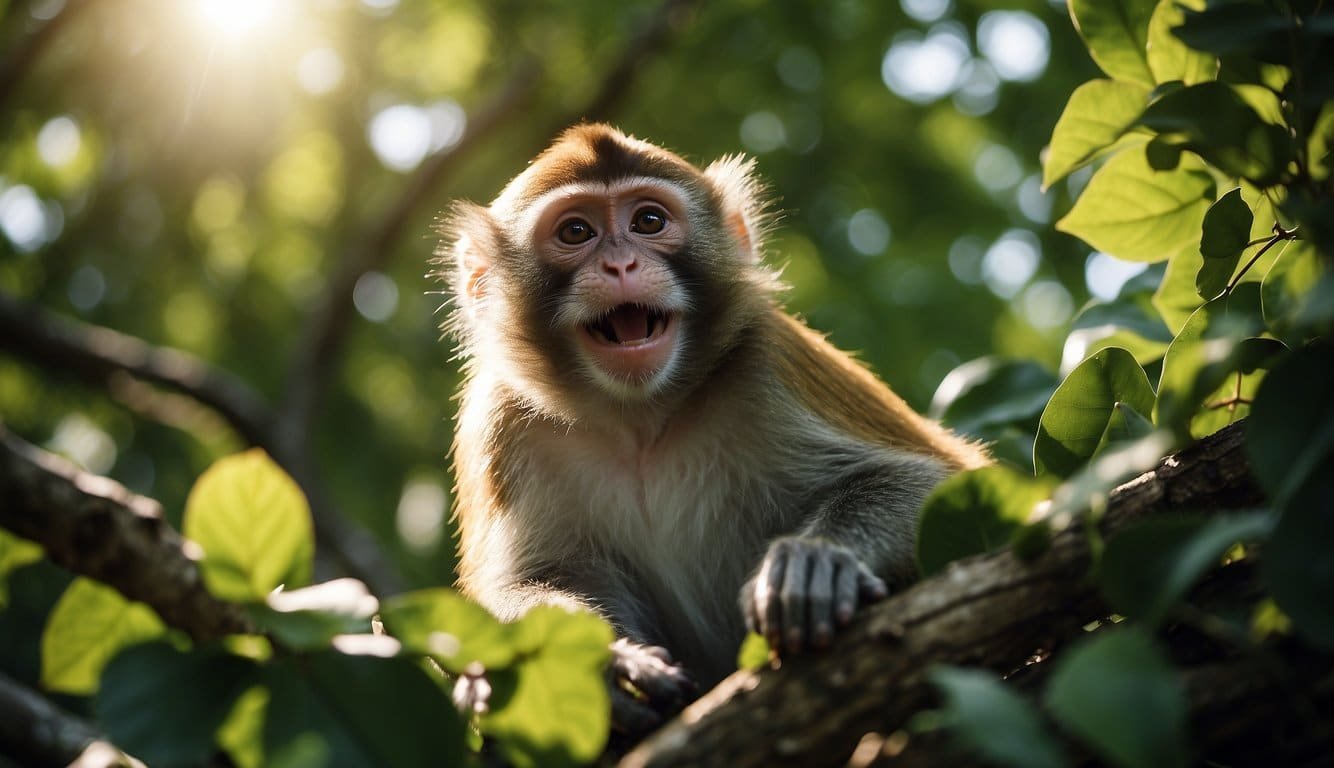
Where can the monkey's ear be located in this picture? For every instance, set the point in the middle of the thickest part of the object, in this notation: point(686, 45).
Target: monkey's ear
point(469, 247)
point(741, 193)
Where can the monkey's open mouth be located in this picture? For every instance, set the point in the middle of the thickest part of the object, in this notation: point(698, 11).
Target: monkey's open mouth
point(629, 325)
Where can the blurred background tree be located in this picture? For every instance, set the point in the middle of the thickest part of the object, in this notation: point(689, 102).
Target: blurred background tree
point(255, 182)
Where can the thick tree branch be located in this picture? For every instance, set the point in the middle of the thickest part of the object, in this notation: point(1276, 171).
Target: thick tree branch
point(992, 611)
point(120, 364)
point(36, 732)
point(93, 526)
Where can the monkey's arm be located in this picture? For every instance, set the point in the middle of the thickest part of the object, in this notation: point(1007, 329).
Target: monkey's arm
point(859, 541)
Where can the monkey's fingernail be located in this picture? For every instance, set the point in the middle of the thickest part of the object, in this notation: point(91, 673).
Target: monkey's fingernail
point(823, 633)
point(843, 614)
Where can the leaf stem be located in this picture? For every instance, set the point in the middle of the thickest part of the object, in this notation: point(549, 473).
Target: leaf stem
point(1280, 234)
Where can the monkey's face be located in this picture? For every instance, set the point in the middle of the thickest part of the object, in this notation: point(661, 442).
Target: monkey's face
point(609, 268)
point(615, 296)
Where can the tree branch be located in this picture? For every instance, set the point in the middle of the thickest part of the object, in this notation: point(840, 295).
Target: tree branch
point(120, 363)
point(992, 611)
point(93, 526)
point(36, 732)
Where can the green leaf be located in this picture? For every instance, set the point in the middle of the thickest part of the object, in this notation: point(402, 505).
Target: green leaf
point(1227, 228)
point(993, 721)
point(975, 512)
point(254, 525)
point(989, 392)
point(1169, 58)
point(1095, 117)
point(453, 630)
point(1177, 298)
point(1236, 28)
point(355, 711)
point(1291, 279)
point(1214, 121)
point(164, 706)
point(1116, 33)
point(754, 652)
point(552, 708)
point(1208, 350)
point(1148, 567)
point(1227, 231)
point(1125, 425)
point(1136, 213)
point(1118, 693)
point(310, 617)
point(241, 735)
point(1076, 421)
point(1290, 441)
point(88, 625)
point(15, 553)
point(1292, 432)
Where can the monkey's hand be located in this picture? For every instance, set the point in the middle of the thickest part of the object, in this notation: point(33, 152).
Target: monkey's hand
point(646, 686)
point(804, 588)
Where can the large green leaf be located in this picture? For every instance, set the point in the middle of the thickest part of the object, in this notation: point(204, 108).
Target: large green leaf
point(1117, 692)
point(1116, 33)
point(1170, 59)
point(90, 624)
point(1214, 121)
point(1237, 28)
point(995, 722)
point(1095, 117)
point(990, 391)
point(1176, 298)
point(1291, 279)
point(346, 711)
point(1292, 433)
point(1290, 441)
point(15, 553)
point(450, 628)
point(1138, 214)
point(552, 708)
point(1209, 351)
point(1076, 422)
point(1147, 568)
point(975, 512)
point(165, 706)
point(254, 526)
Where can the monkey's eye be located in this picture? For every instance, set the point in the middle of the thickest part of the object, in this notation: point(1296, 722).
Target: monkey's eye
point(575, 231)
point(648, 221)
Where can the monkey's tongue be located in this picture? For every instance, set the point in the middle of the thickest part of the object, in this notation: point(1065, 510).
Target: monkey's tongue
point(631, 323)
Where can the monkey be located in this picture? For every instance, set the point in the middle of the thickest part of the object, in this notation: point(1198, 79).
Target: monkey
point(644, 432)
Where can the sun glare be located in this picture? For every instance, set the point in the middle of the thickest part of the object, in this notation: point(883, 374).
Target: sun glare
point(236, 17)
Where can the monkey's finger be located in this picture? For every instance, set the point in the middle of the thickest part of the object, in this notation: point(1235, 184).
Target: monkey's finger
point(768, 593)
point(660, 653)
point(796, 591)
point(846, 589)
point(820, 600)
point(871, 587)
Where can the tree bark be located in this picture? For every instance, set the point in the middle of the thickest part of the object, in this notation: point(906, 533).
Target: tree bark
point(93, 526)
point(993, 611)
